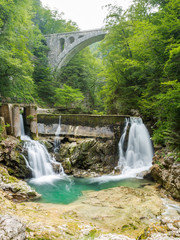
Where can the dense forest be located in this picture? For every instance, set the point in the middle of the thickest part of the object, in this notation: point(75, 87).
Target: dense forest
point(134, 69)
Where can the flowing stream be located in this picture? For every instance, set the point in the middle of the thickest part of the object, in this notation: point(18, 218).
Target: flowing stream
point(139, 153)
point(60, 188)
point(57, 141)
point(38, 159)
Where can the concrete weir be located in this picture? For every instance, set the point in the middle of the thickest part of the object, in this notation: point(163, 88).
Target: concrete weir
point(72, 125)
point(79, 125)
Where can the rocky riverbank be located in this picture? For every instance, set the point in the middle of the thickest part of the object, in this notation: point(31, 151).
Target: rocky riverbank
point(91, 157)
point(166, 171)
point(114, 214)
point(119, 213)
point(14, 189)
point(11, 156)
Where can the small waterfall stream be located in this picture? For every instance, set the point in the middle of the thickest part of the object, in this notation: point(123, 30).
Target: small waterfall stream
point(39, 160)
point(139, 153)
point(57, 141)
point(122, 158)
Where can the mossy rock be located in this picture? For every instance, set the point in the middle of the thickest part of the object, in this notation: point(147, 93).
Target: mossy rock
point(12, 158)
point(67, 166)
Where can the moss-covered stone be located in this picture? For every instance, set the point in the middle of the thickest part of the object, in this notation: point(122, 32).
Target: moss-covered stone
point(166, 171)
point(11, 157)
point(67, 166)
point(15, 189)
point(92, 155)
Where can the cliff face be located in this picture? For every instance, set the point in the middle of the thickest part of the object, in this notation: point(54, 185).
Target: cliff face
point(166, 171)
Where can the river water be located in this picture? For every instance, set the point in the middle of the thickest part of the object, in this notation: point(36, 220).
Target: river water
point(60, 188)
point(66, 190)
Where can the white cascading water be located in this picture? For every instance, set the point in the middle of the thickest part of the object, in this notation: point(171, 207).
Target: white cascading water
point(138, 156)
point(22, 126)
point(122, 158)
point(139, 153)
point(57, 141)
point(39, 160)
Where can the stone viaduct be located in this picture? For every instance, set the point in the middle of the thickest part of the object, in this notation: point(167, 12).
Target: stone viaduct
point(63, 46)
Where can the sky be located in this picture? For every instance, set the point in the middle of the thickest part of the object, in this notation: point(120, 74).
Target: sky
point(88, 14)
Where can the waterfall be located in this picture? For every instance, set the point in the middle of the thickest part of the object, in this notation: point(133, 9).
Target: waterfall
point(139, 153)
point(22, 125)
point(122, 159)
point(39, 160)
point(57, 135)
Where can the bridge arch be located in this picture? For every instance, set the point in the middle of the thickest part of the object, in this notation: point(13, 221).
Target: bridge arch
point(63, 46)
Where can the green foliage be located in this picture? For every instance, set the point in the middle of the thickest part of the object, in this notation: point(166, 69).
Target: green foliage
point(137, 68)
point(51, 21)
point(141, 56)
point(42, 75)
point(30, 117)
point(167, 107)
point(82, 73)
point(95, 112)
point(2, 129)
point(15, 58)
point(66, 96)
point(24, 71)
point(92, 234)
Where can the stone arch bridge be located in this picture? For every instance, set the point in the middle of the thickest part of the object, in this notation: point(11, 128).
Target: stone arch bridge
point(63, 46)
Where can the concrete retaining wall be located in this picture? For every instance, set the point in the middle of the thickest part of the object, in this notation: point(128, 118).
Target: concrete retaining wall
point(79, 125)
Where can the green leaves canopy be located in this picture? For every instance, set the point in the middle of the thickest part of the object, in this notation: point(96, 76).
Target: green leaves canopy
point(67, 95)
point(141, 58)
point(24, 71)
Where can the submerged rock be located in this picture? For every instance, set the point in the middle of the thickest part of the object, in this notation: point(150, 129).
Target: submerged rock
point(11, 228)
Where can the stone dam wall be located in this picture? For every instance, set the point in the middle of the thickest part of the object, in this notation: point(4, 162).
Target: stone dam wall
point(75, 125)
point(79, 125)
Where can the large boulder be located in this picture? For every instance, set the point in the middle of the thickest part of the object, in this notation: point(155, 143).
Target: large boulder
point(92, 155)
